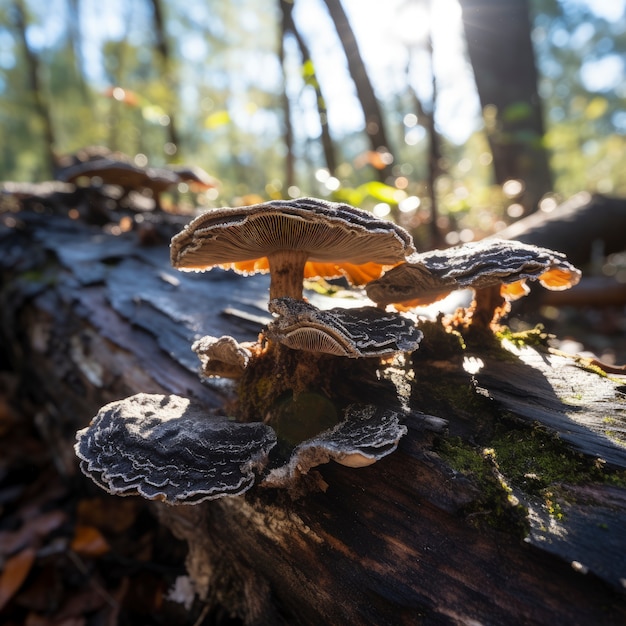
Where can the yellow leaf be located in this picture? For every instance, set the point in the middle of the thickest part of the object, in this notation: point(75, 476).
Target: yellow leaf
point(596, 108)
point(217, 119)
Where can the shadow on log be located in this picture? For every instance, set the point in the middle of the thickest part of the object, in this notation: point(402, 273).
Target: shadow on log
point(508, 506)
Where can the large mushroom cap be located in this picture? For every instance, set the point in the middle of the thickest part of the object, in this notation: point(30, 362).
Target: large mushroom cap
point(314, 237)
point(428, 277)
point(355, 333)
point(166, 448)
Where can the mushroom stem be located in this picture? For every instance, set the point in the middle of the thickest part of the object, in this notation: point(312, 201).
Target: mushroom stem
point(488, 307)
point(287, 273)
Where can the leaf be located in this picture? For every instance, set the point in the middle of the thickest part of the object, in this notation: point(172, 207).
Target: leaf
point(88, 541)
point(152, 113)
point(16, 569)
point(217, 119)
point(596, 108)
point(308, 74)
point(37, 527)
point(382, 192)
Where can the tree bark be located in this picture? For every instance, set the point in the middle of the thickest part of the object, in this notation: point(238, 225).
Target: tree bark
point(492, 510)
point(501, 53)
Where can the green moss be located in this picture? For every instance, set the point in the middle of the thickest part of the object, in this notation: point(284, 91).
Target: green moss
point(534, 337)
point(296, 419)
point(532, 458)
point(616, 435)
point(439, 343)
point(537, 462)
point(497, 507)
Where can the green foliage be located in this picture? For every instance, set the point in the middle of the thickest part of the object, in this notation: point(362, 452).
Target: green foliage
point(223, 86)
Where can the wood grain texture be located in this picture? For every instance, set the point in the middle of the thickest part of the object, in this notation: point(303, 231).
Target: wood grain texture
point(446, 530)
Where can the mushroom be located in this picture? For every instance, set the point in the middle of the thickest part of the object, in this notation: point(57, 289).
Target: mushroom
point(112, 171)
point(355, 333)
point(167, 448)
point(197, 178)
point(292, 239)
point(496, 269)
point(118, 169)
point(222, 356)
point(365, 435)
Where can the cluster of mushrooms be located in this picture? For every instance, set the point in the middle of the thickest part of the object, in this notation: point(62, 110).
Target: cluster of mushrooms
point(296, 402)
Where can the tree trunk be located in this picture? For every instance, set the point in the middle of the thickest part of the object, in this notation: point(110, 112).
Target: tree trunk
point(290, 170)
point(163, 49)
point(374, 122)
point(36, 89)
point(492, 510)
point(311, 79)
point(500, 50)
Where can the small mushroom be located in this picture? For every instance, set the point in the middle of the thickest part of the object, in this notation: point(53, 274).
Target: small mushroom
point(197, 178)
point(365, 435)
point(113, 171)
point(166, 448)
point(496, 269)
point(222, 356)
point(292, 239)
point(355, 333)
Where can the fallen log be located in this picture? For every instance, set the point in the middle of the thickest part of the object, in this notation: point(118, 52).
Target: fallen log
point(504, 503)
point(585, 227)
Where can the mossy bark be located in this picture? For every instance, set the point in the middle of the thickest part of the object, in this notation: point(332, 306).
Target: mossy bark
point(503, 443)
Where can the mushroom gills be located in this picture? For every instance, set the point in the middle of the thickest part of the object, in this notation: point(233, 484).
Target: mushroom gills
point(354, 333)
point(292, 239)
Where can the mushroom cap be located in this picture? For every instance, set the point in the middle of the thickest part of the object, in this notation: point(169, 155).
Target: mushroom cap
point(195, 176)
point(118, 172)
point(338, 239)
point(426, 278)
point(166, 448)
point(222, 356)
point(355, 333)
point(365, 435)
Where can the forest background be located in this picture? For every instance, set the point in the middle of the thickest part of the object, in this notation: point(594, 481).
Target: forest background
point(453, 118)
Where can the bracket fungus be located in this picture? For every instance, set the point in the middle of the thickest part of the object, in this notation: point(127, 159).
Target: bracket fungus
point(496, 269)
point(355, 333)
point(293, 240)
point(166, 448)
point(222, 356)
point(366, 434)
point(296, 378)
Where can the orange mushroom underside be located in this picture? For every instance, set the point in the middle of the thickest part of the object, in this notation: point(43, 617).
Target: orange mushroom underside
point(356, 274)
point(554, 279)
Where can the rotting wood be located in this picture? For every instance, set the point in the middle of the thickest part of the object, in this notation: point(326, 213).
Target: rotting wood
point(431, 534)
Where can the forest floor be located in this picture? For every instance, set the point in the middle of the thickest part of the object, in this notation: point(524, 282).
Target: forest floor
point(71, 555)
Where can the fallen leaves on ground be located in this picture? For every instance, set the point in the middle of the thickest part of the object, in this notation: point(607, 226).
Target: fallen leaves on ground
point(71, 555)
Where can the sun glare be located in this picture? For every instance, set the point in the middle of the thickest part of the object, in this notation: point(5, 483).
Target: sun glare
point(398, 29)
